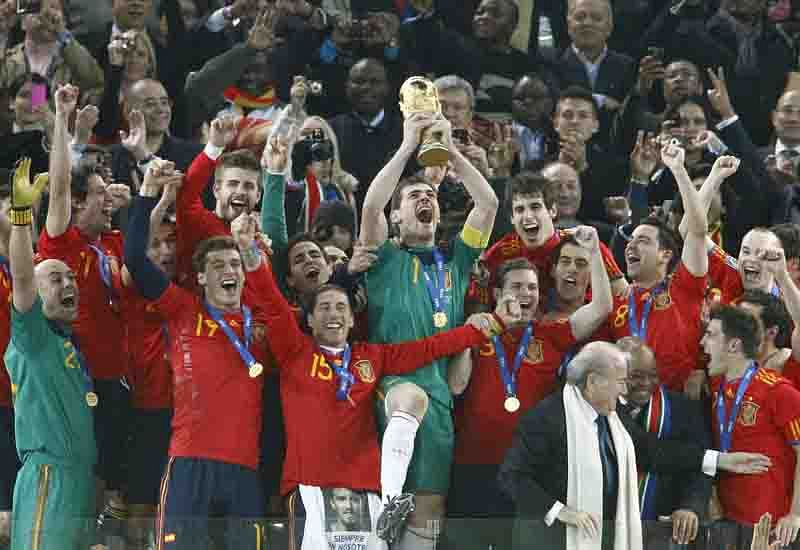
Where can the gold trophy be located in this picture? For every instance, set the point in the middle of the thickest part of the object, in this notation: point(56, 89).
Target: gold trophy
point(419, 95)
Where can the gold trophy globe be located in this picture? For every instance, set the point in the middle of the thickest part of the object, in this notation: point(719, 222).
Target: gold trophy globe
point(419, 95)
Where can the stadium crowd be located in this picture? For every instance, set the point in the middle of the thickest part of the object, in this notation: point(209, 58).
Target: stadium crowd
point(399, 274)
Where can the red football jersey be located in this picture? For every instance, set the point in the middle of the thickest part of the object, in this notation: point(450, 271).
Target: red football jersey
point(791, 371)
point(768, 423)
point(484, 429)
point(149, 371)
point(332, 443)
point(98, 326)
point(511, 247)
point(673, 327)
point(724, 280)
point(217, 405)
point(195, 222)
point(5, 332)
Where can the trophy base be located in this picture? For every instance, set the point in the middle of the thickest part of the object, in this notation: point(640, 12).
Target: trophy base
point(433, 154)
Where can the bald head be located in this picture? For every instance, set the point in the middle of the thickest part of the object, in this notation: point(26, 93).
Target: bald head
point(55, 282)
point(600, 371)
point(150, 97)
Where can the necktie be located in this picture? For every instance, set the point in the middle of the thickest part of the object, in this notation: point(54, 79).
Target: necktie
point(607, 457)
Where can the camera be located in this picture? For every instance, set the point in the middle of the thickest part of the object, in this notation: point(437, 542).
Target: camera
point(314, 87)
point(28, 6)
point(315, 147)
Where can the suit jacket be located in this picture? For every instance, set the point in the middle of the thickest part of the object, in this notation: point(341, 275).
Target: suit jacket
point(534, 473)
point(688, 490)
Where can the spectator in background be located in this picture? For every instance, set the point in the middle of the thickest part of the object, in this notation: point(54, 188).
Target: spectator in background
point(786, 121)
point(371, 131)
point(789, 235)
point(486, 59)
point(31, 127)
point(50, 51)
point(589, 63)
point(566, 188)
point(532, 105)
point(149, 112)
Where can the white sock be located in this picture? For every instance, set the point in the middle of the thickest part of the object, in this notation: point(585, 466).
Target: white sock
point(416, 538)
point(396, 451)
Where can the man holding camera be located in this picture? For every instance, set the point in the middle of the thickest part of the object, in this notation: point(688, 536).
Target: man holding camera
point(51, 51)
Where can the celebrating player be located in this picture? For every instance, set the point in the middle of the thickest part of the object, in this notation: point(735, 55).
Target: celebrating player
point(327, 379)
point(662, 307)
point(756, 410)
point(216, 348)
point(414, 290)
point(54, 395)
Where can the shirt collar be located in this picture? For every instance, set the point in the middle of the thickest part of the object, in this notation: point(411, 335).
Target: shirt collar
point(586, 409)
point(375, 122)
point(585, 61)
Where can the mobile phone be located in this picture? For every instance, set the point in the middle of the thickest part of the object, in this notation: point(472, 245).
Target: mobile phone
point(28, 6)
point(38, 95)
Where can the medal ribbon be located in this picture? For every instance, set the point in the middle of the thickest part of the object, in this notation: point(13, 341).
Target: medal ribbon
point(88, 382)
point(510, 377)
point(244, 353)
point(726, 427)
point(438, 295)
point(638, 327)
point(346, 378)
point(658, 420)
point(104, 263)
point(6, 267)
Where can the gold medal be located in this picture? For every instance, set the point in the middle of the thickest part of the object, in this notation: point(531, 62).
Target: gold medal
point(511, 404)
point(255, 370)
point(92, 399)
point(440, 319)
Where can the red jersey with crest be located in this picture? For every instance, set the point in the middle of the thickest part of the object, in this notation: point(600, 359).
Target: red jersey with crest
point(673, 326)
point(99, 326)
point(769, 423)
point(5, 330)
point(149, 371)
point(511, 247)
point(484, 429)
point(217, 405)
point(724, 280)
point(195, 222)
point(332, 443)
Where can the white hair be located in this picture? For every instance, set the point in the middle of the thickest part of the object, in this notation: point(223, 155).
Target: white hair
point(593, 358)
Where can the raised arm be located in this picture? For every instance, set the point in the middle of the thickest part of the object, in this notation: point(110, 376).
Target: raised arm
point(374, 227)
point(21, 245)
point(776, 264)
point(721, 171)
point(273, 182)
point(59, 210)
point(149, 279)
point(694, 255)
point(481, 218)
point(589, 317)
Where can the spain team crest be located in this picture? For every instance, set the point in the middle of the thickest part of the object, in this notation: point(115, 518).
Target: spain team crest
point(748, 413)
point(365, 372)
point(662, 300)
point(535, 351)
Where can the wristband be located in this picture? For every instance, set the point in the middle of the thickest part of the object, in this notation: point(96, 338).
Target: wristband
point(21, 216)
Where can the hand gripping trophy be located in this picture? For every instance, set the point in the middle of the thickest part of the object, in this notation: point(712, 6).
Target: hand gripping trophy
point(419, 95)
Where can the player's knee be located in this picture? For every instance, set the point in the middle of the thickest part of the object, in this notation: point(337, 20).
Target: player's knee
point(407, 398)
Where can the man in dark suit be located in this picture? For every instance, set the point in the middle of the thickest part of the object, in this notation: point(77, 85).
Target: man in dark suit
point(672, 417)
point(590, 64)
point(536, 469)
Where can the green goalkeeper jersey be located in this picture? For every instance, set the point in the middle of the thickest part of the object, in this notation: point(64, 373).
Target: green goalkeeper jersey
point(400, 306)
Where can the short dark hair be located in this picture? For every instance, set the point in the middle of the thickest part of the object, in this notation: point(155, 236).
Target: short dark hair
point(517, 264)
point(668, 239)
point(207, 246)
point(773, 313)
point(302, 238)
point(579, 92)
point(79, 182)
point(314, 298)
point(240, 158)
point(700, 101)
point(528, 183)
point(789, 235)
point(568, 239)
point(397, 196)
point(740, 324)
point(330, 214)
